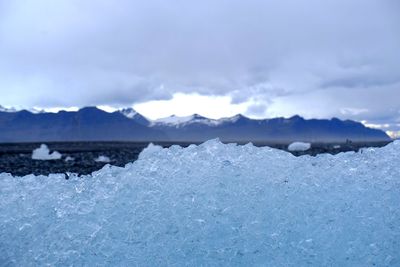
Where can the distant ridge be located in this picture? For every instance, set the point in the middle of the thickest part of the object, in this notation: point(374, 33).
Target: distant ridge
point(94, 124)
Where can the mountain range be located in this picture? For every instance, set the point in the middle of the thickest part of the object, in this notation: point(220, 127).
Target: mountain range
point(94, 124)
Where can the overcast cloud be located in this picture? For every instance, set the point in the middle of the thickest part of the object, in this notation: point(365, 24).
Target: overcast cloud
point(309, 57)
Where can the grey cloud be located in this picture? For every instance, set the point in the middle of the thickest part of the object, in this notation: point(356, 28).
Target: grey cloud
point(310, 57)
point(376, 105)
point(257, 110)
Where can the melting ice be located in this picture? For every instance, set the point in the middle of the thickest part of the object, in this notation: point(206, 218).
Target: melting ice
point(299, 146)
point(210, 205)
point(102, 158)
point(43, 153)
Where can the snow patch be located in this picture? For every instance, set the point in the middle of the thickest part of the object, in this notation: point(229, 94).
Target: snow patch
point(43, 153)
point(36, 110)
point(13, 110)
point(182, 121)
point(232, 119)
point(173, 120)
point(10, 110)
point(130, 113)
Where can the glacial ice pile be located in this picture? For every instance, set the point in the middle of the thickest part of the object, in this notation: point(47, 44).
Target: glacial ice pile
point(209, 205)
point(43, 153)
point(104, 159)
point(299, 146)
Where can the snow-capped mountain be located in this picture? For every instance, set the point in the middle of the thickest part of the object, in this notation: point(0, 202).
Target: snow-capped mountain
point(4, 109)
point(132, 114)
point(13, 109)
point(93, 124)
point(182, 121)
point(177, 121)
point(129, 112)
point(174, 120)
point(281, 130)
point(233, 119)
point(86, 124)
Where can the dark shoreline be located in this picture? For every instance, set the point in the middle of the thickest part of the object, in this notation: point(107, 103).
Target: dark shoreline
point(15, 158)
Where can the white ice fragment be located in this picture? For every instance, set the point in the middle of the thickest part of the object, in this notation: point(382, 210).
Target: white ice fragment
point(102, 158)
point(299, 146)
point(150, 150)
point(43, 153)
point(336, 146)
point(69, 158)
point(174, 120)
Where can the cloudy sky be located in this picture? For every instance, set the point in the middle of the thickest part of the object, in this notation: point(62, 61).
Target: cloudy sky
point(214, 57)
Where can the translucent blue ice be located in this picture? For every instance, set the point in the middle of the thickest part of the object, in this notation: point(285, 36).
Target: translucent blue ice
point(209, 205)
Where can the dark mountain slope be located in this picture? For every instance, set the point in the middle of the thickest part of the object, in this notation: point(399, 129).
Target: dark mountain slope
point(93, 124)
point(87, 124)
point(281, 130)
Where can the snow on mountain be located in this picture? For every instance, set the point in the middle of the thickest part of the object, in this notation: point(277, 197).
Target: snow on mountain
point(4, 109)
point(179, 121)
point(35, 110)
point(173, 120)
point(232, 119)
point(129, 125)
point(13, 109)
point(132, 114)
point(129, 112)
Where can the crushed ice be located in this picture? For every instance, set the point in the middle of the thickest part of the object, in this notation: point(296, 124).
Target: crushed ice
point(209, 205)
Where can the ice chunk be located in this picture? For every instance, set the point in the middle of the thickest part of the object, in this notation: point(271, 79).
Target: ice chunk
point(69, 158)
point(299, 146)
point(43, 153)
point(102, 158)
point(209, 205)
point(150, 150)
